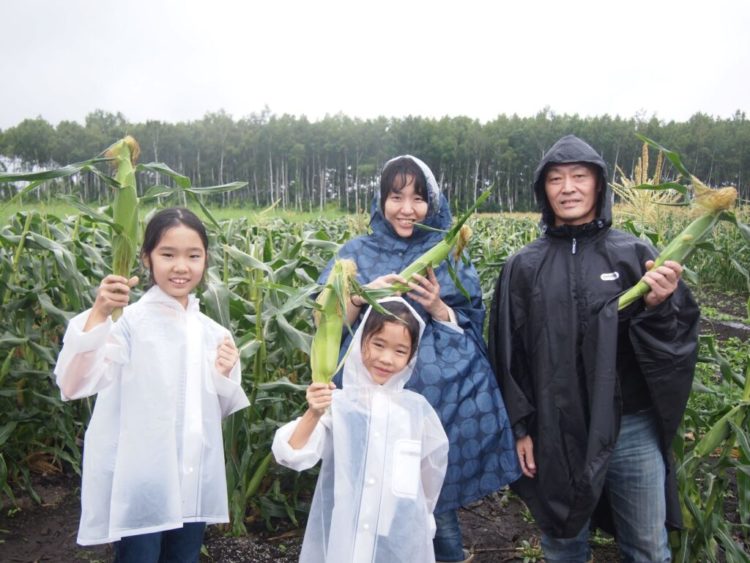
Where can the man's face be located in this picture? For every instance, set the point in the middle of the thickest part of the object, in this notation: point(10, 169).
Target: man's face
point(572, 193)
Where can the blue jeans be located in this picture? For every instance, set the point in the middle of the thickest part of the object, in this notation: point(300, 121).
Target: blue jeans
point(635, 484)
point(448, 543)
point(181, 545)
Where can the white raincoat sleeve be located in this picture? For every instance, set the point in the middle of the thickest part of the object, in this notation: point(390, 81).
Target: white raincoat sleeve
point(229, 389)
point(307, 456)
point(90, 361)
point(434, 459)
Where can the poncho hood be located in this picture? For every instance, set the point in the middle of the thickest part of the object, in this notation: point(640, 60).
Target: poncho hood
point(567, 150)
point(356, 375)
point(438, 211)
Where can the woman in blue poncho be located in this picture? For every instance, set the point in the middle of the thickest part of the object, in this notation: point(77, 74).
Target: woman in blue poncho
point(452, 370)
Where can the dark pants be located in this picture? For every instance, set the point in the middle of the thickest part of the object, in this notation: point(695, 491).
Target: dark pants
point(181, 545)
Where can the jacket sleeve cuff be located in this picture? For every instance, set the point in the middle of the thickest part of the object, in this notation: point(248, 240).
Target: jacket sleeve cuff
point(452, 322)
point(77, 341)
point(520, 430)
point(298, 459)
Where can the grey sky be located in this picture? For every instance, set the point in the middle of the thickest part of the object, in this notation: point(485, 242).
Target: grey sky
point(176, 60)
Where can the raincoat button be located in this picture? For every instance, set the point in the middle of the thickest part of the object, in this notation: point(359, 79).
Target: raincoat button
point(365, 526)
point(371, 481)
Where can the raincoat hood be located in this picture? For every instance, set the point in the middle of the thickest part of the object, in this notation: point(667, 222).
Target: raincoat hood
point(438, 211)
point(567, 150)
point(356, 375)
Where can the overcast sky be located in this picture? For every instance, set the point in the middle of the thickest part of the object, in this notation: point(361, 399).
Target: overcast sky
point(175, 60)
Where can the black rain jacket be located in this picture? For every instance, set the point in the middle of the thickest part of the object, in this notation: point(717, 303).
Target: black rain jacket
point(559, 348)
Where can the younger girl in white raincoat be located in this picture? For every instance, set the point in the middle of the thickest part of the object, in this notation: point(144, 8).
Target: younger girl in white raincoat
point(384, 451)
point(165, 375)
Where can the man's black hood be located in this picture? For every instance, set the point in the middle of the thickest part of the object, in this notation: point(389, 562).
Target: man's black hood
point(567, 150)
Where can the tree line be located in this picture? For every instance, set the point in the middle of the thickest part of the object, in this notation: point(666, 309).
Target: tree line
point(306, 165)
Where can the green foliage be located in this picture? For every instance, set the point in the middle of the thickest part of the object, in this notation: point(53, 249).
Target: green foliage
point(530, 551)
point(301, 165)
point(712, 452)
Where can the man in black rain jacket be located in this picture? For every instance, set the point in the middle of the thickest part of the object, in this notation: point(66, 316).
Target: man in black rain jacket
point(594, 395)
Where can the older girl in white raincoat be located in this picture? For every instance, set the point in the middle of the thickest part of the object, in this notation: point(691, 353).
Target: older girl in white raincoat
point(383, 448)
point(165, 375)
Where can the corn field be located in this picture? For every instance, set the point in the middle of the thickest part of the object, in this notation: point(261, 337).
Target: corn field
point(261, 284)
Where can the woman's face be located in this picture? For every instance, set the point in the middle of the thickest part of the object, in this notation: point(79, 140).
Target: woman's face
point(404, 208)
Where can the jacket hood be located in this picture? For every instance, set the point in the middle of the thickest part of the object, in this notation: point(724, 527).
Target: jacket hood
point(567, 150)
point(438, 211)
point(356, 375)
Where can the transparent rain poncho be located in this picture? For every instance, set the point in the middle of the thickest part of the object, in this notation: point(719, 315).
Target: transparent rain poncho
point(384, 456)
point(153, 453)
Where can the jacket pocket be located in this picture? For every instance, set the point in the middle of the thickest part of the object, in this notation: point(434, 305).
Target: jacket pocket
point(407, 457)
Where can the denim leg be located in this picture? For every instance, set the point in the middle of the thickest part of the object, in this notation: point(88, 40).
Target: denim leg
point(143, 548)
point(448, 543)
point(567, 550)
point(635, 482)
point(183, 545)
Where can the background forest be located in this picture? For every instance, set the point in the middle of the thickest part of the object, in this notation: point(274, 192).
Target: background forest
point(305, 166)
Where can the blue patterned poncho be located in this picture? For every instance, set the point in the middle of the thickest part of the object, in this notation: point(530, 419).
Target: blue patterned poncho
point(452, 372)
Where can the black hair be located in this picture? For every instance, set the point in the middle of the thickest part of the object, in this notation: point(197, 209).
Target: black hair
point(399, 313)
point(167, 219)
point(395, 176)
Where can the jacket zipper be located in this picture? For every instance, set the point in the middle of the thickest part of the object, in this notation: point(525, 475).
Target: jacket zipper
point(573, 249)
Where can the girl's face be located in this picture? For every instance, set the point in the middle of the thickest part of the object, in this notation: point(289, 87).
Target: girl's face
point(177, 262)
point(386, 352)
point(404, 208)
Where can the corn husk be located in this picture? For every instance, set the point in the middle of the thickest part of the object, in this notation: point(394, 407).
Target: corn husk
point(124, 209)
point(329, 318)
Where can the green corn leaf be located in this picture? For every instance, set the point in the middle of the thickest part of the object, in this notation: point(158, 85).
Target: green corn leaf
point(297, 338)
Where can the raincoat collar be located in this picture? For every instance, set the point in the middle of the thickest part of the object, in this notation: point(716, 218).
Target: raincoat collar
point(356, 375)
point(567, 150)
point(156, 295)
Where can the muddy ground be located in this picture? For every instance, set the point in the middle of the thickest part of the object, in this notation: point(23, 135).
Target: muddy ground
point(494, 530)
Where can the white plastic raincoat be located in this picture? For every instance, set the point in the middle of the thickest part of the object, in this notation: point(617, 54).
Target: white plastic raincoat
point(153, 453)
point(384, 457)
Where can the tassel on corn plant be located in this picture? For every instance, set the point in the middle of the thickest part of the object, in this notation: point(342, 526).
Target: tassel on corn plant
point(124, 209)
point(713, 203)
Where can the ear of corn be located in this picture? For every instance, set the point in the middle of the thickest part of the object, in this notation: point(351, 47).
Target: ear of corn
point(324, 354)
point(124, 209)
point(713, 202)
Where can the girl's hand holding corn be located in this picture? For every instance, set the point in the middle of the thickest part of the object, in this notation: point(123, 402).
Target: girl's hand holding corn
point(319, 397)
point(226, 356)
point(113, 293)
point(662, 281)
